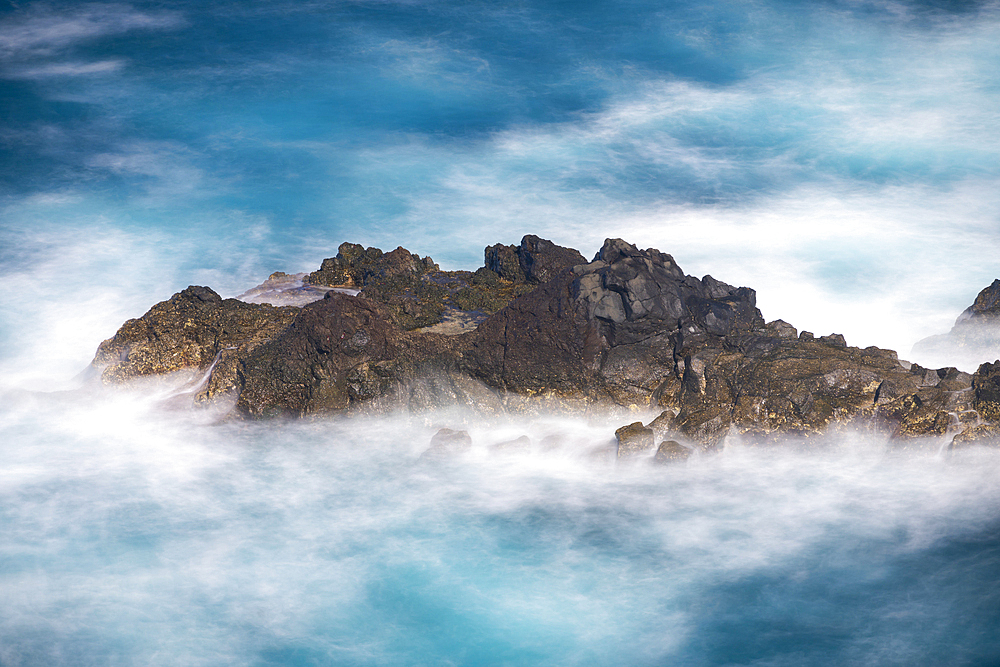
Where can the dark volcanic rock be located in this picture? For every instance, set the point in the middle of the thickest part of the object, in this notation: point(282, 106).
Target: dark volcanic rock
point(417, 294)
point(505, 262)
point(986, 385)
point(980, 434)
point(395, 279)
point(985, 307)
point(541, 260)
point(607, 330)
point(541, 326)
point(336, 350)
point(536, 260)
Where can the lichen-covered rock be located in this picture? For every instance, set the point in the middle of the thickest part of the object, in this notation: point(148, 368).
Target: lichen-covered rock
point(417, 294)
point(190, 331)
point(980, 434)
point(986, 385)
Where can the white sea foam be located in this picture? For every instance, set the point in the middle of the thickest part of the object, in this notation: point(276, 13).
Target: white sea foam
point(150, 537)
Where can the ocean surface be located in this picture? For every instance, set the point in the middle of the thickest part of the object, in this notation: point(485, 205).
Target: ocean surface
point(842, 157)
point(138, 534)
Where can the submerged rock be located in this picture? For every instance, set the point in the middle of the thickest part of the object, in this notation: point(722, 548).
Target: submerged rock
point(671, 451)
point(521, 445)
point(447, 443)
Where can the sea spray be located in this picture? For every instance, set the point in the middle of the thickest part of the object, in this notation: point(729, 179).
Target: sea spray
point(134, 535)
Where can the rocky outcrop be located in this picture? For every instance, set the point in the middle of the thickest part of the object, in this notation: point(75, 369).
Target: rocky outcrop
point(626, 329)
point(193, 330)
point(416, 294)
point(974, 339)
point(536, 260)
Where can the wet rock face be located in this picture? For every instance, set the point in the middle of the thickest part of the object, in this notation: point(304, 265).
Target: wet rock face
point(634, 439)
point(671, 451)
point(191, 330)
point(337, 350)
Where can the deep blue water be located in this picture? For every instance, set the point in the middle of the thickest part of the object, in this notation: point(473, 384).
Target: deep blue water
point(840, 157)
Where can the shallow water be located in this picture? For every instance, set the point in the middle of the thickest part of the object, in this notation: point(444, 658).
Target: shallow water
point(134, 535)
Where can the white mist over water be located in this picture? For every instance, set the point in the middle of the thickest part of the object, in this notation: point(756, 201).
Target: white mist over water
point(135, 534)
point(838, 157)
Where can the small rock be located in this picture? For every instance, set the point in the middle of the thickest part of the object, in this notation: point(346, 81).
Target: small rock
point(837, 340)
point(552, 442)
point(671, 451)
point(781, 329)
point(634, 439)
point(983, 434)
point(447, 442)
point(520, 445)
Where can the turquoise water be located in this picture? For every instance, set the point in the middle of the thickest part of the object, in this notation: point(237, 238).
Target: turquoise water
point(845, 150)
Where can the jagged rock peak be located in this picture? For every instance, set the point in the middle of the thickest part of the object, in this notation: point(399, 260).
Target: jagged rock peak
point(357, 266)
point(615, 250)
point(535, 260)
point(985, 307)
point(197, 294)
point(625, 284)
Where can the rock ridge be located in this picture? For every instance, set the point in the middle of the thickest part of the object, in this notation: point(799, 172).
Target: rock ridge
point(543, 328)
